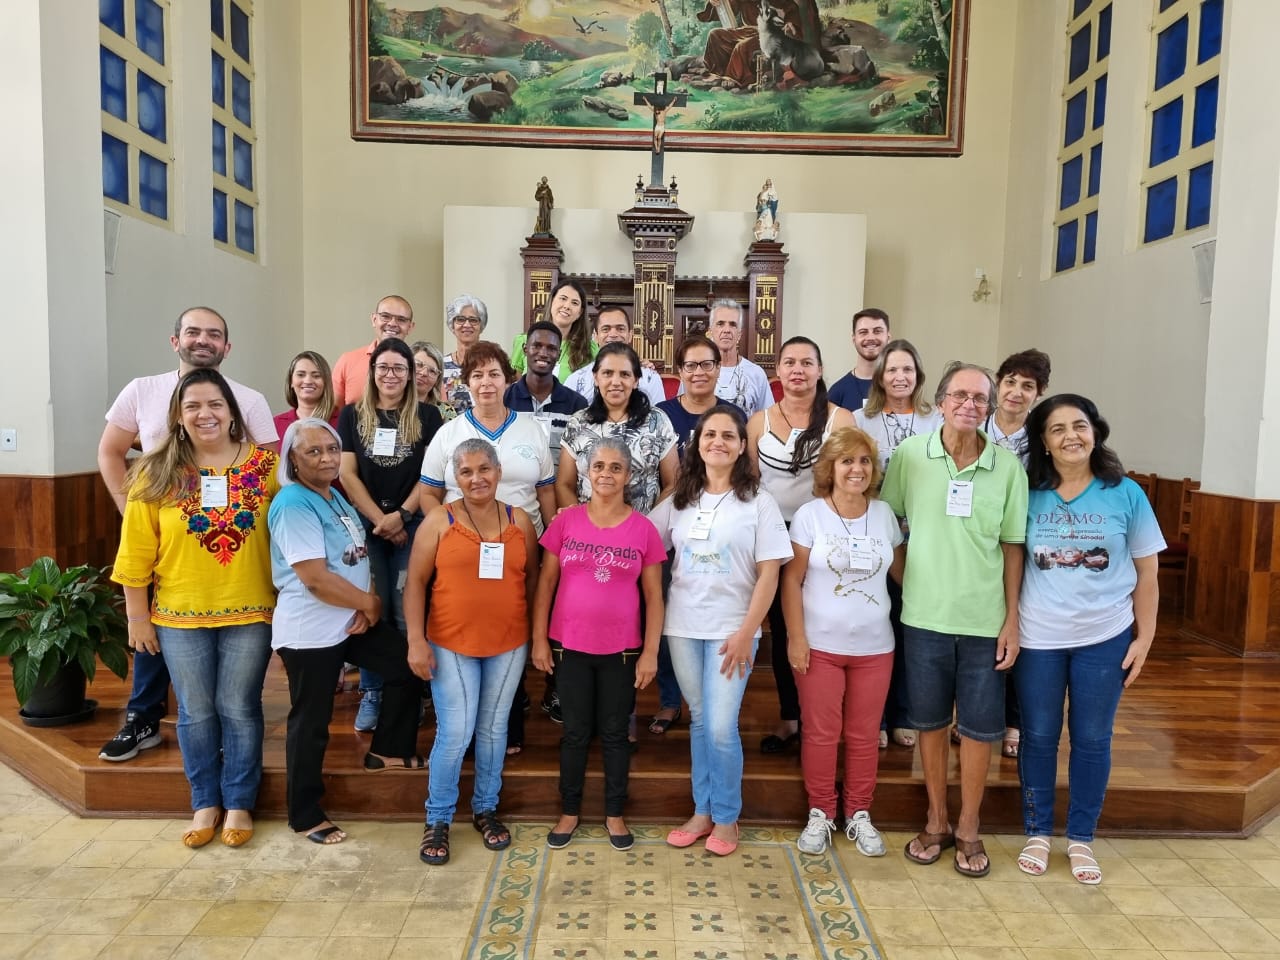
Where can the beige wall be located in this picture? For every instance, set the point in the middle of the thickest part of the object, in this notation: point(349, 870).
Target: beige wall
point(374, 211)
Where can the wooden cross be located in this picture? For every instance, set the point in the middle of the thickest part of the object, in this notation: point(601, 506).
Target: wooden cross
point(659, 102)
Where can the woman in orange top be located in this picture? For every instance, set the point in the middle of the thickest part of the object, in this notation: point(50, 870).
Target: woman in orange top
point(484, 555)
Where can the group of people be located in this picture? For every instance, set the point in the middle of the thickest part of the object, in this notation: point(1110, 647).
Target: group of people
point(438, 519)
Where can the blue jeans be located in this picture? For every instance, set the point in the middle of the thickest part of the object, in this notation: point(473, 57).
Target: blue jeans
point(946, 668)
point(389, 565)
point(1092, 679)
point(472, 698)
point(714, 743)
point(218, 673)
point(150, 687)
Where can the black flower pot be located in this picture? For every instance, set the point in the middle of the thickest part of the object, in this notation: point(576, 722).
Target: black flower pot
point(59, 702)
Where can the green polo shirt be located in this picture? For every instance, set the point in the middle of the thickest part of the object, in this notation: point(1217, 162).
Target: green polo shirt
point(954, 581)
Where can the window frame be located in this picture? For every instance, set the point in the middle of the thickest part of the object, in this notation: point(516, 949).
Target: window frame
point(224, 114)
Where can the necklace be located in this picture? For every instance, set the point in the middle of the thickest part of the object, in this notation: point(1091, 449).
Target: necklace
point(866, 518)
point(496, 509)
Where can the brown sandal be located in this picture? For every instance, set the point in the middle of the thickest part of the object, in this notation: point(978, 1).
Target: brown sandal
point(971, 849)
point(943, 841)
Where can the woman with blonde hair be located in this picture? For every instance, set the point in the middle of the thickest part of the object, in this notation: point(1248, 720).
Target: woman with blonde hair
point(896, 406)
point(428, 371)
point(308, 390)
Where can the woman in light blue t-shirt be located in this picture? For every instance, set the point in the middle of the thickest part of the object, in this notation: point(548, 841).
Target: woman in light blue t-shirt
point(1087, 614)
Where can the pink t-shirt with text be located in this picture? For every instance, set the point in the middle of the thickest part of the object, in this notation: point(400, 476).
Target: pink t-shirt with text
point(597, 604)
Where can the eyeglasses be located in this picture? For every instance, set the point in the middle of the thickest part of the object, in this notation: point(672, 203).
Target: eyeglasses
point(387, 370)
point(389, 317)
point(693, 366)
point(980, 401)
point(425, 367)
point(466, 321)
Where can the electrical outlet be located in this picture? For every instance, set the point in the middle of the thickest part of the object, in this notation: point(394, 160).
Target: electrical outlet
point(8, 440)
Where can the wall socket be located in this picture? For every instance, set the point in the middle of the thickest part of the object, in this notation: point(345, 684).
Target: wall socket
point(8, 440)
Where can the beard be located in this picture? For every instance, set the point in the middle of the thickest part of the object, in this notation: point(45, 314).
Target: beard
point(191, 359)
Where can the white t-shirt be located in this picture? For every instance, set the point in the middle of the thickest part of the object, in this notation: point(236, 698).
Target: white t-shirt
point(846, 597)
point(712, 579)
point(142, 409)
point(583, 381)
point(523, 450)
point(890, 429)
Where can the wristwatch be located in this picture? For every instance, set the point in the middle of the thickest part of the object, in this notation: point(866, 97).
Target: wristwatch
point(405, 515)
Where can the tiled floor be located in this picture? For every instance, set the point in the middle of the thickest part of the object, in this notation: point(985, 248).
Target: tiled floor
point(128, 889)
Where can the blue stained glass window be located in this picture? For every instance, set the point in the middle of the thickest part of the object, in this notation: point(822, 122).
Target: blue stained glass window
point(1075, 119)
point(1078, 7)
point(1095, 169)
point(1066, 255)
point(1081, 47)
point(219, 148)
point(1166, 4)
point(153, 186)
point(220, 216)
point(1104, 32)
point(217, 19)
point(1171, 52)
point(1210, 44)
point(1166, 132)
point(1069, 193)
point(242, 151)
point(149, 28)
point(1162, 201)
point(240, 98)
point(112, 73)
point(244, 227)
point(111, 15)
point(1204, 117)
point(115, 168)
point(239, 32)
point(1090, 237)
point(218, 80)
point(1100, 101)
point(151, 108)
point(1199, 195)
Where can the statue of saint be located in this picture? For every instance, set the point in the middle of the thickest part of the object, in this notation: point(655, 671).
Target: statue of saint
point(546, 202)
point(766, 227)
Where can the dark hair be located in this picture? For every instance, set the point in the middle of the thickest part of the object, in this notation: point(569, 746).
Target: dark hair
point(692, 478)
point(696, 340)
point(875, 312)
point(580, 331)
point(637, 407)
point(1031, 363)
point(1041, 473)
point(810, 440)
point(408, 424)
point(546, 326)
point(611, 308)
point(483, 352)
point(177, 324)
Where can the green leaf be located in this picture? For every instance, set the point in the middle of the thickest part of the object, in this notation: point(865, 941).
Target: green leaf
point(44, 571)
point(25, 672)
point(88, 662)
point(116, 659)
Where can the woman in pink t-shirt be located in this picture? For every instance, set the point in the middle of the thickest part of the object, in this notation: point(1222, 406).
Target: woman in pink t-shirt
point(600, 556)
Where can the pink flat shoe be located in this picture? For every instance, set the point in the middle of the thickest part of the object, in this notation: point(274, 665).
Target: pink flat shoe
point(722, 848)
point(686, 838)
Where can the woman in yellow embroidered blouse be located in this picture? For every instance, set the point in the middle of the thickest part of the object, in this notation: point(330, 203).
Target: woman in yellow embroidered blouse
point(195, 526)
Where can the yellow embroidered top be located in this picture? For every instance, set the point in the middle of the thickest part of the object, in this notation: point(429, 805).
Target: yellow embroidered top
point(211, 565)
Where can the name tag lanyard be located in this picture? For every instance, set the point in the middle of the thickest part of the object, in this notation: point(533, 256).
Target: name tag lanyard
point(860, 557)
point(354, 530)
point(700, 529)
point(215, 488)
point(492, 554)
point(959, 492)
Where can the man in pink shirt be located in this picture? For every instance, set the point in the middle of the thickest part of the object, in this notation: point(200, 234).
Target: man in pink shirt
point(140, 414)
point(392, 317)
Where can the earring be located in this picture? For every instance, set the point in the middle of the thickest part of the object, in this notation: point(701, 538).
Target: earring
point(182, 433)
point(233, 426)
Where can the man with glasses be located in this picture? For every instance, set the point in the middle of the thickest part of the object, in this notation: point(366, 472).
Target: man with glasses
point(741, 382)
point(392, 317)
point(539, 392)
point(965, 501)
point(614, 326)
point(140, 416)
point(870, 334)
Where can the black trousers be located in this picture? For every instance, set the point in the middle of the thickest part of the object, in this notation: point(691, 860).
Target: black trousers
point(597, 695)
point(311, 671)
point(783, 677)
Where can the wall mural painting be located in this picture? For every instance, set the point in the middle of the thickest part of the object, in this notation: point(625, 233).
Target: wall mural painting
point(801, 76)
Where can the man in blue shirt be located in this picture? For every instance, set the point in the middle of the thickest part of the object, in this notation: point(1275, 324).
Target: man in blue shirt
point(870, 334)
point(538, 391)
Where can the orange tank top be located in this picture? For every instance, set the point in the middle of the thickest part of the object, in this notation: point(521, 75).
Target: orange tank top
point(474, 617)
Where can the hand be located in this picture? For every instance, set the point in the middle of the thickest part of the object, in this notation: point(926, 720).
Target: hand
point(372, 608)
point(646, 669)
point(541, 656)
point(798, 653)
point(389, 525)
point(399, 539)
point(648, 365)
point(736, 653)
point(358, 625)
point(1135, 659)
point(142, 636)
point(1007, 645)
point(421, 660)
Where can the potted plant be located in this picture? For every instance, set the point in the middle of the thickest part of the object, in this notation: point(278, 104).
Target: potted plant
point(54, 627)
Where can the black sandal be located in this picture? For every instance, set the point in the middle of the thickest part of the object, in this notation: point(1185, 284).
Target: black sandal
point(492, 829)
point(435, 836)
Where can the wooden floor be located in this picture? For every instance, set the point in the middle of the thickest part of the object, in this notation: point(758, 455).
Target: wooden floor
point(1197, 751)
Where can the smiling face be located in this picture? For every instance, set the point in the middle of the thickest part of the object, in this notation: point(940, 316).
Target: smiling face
point(608, 472)
point(974, 389)
point(899, 381)
point(316, 457)
point(615, 379)
point(566, 307)
point(307, 382)
point(391, 374)
point(870, 334)
point(612, 327)
point(799, 368)
point(1015, 394)
point(852, 473)
point(1068, 436)
point(487, 383)
point(466, 326)
point(477, 477)
point(426, 373)
point(205, 414)
point(699, 373)
point(720, 444)
point(541, 351)
point(201, 340)
point(392, 317)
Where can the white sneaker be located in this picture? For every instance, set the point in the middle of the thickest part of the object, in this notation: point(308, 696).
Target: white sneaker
point(862, 833)
point(816, 833)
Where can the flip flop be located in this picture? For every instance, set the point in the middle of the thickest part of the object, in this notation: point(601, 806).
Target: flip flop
point(322, 836)
point(1034, 858)
point(660, 725)
point(376, 764)
point(971, 849)
point(943, 841)
point(1012, 741)
point(904, 736)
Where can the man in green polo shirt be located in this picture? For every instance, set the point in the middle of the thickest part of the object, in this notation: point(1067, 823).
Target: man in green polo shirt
point(965, 501)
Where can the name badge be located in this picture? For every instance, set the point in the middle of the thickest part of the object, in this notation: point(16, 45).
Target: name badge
point(960, 498)
point(700, 529)
point(354, 530)
point(795, 435)
point(384, 442)
point(544, 420)
point(491, 556)
point(213, 491)
point(861, 557)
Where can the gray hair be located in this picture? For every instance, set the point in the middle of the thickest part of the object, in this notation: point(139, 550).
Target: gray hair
point(954, 367)
point(286, 473)
point(727, 303)
point(436, 354)
point(617, 445)
point(466, 300)
point(474, 445)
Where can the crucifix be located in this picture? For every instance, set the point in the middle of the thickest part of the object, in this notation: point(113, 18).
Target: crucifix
point(659, 102)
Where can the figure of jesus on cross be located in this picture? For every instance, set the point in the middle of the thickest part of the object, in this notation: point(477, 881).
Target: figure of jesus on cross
point(659, 102)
